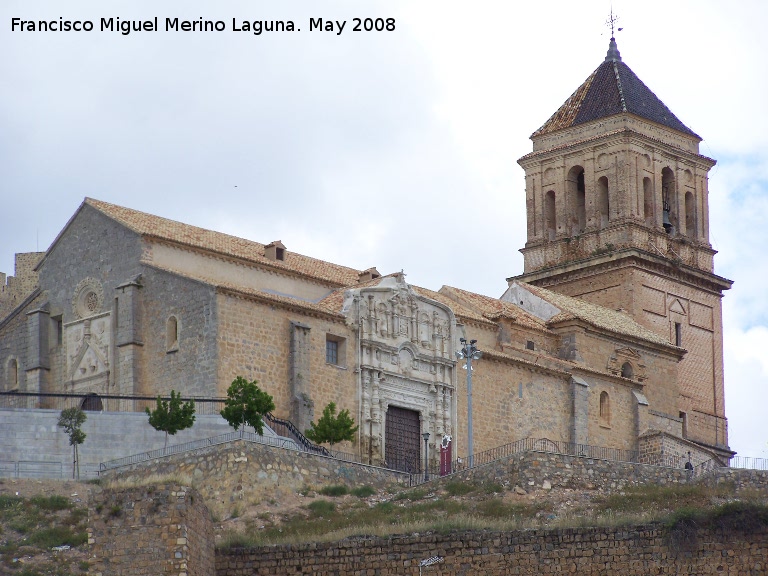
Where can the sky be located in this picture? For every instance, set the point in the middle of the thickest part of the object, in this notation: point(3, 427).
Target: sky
point(393, 148)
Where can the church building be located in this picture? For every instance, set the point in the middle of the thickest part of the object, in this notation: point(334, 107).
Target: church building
point(611, 336)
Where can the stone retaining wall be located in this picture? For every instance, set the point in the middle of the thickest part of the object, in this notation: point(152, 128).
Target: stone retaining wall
point(535, 470)
point(236, 474)
point(159, 530)
point(629, 551)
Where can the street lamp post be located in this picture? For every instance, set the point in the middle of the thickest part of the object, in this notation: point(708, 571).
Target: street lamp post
point(469, 352)
point(426, 456)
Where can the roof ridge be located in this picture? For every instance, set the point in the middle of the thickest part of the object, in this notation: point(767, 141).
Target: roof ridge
point(198, 238)
point(619, 86)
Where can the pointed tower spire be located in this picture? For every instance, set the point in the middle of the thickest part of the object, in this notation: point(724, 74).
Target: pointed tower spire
point(613, 54)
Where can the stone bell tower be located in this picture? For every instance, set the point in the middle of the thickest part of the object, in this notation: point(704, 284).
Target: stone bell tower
point(618, 215)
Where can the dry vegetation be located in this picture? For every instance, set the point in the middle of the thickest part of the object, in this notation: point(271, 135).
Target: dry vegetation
point(46, 514)
point(335, 512)
point(43, 527)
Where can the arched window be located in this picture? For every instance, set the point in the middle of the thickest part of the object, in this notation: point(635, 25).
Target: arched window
point(603, 204)
point(626, 370)
point(605, 409)
point(690, 215)
point(577, 196)
point(669, 199)
point(550, 223)
point(648, 202)
point(172, 334)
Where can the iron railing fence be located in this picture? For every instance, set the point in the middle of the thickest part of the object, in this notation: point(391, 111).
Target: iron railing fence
point(275, 441)
point(573, 449)
point(749, 463)
point(287, 428)
point(44, 469)
point(551, 446)
point(101, 402)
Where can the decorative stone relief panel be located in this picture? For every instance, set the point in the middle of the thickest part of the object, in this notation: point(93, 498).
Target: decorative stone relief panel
point(88, 343)
point(623, 355)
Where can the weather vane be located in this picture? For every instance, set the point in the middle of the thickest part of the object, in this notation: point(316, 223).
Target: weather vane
point(611, 23)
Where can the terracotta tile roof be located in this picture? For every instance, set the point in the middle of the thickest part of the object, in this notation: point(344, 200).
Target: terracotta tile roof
point(598, 316)
point(224, 244)
point(493, 308)
point(612, 89)
point(461, 311)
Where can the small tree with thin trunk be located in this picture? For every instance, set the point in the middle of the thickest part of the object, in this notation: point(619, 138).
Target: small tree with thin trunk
point(331, 428)
point(171, 416)
point(71, 419)
point(246, 403)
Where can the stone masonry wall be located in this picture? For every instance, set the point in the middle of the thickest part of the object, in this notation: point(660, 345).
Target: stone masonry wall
point(255, 342)
point(242, 472)
point(537, 470)
point(159, 530)
point(13, 289)
point(639, 551)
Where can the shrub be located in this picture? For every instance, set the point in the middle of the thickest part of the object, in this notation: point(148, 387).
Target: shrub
point(334, 490)
point(363, 491)
point(322, 508)
point(458, 488)
point(52, 503)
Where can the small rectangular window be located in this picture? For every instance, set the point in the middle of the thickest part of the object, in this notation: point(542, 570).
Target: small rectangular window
point(58, 328)
point(520, 390)
point(678, 334)
point(530, 345)
point(331, 352)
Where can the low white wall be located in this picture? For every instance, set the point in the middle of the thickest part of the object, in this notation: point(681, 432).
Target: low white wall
point(32, 445)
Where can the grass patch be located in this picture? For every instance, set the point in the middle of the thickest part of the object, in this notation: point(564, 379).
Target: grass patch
point(412, 495)
point(334, 490)
point(322, 508)
point(51, 503)
point(661, 498)
point(497, 509)
point(456, 488)
point(57, 536)
point(151, 480)
point(363, 491)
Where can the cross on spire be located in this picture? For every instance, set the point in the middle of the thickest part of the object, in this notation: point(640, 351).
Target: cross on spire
point(611, 23)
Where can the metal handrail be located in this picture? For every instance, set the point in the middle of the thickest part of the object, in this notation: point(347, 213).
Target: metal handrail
point(57, 401)
point(293, 432)
point(276, 441)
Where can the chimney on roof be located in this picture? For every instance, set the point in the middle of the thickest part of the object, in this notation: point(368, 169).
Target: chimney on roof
point(275, 250)
point(370, 274)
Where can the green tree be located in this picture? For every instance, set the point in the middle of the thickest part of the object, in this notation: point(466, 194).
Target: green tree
point(331, 428)
point(246, 403)
point(172, 415)
point(71, 419)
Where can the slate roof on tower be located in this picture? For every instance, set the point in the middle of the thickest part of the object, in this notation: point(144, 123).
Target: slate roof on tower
point(612, 89)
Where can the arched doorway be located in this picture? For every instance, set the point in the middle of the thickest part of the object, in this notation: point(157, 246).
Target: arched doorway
point(92, 403)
